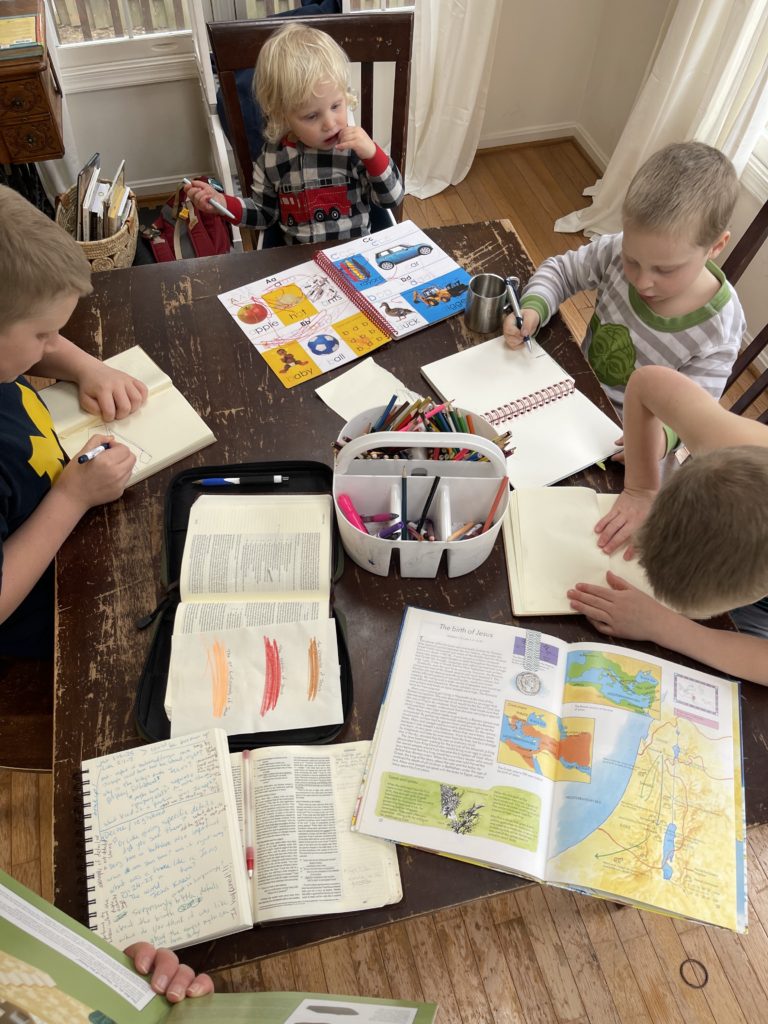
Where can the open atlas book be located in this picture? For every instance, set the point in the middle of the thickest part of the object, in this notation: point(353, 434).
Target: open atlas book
point(54, 970)
point(163, 431)
point(173, 828)
point(347, 301)
point(589, 766)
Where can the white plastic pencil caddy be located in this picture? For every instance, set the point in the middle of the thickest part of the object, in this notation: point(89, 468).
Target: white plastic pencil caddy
point(465, 494)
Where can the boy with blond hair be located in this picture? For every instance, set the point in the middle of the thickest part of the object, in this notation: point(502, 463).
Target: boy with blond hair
point(660, 299)
point(42, 497)
point(317, 175)
point(703, 541)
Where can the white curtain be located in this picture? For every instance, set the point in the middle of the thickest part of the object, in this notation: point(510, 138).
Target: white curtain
point(453, 48)
point(708, 82)
point(57, 175)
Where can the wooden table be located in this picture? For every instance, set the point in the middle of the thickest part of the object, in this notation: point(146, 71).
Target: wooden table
point(107, 572)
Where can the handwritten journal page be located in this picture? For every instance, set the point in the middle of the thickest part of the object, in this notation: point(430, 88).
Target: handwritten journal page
point(307, 859)
point(163, 431)
point(163, 851)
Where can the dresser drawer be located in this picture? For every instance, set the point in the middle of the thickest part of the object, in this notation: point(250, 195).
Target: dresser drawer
point(21, 99)
point(37, 139)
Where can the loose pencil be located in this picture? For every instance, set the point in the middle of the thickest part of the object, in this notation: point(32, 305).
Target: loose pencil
point(427, 503)
point(503, 485)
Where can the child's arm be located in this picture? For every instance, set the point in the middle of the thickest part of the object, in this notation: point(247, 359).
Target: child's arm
point(259, 212)
point(170, 978)
point(655, 395)
point(622, 610)
point(561, 276)
point(384, 177)
point(29, 550)
point(102, 389)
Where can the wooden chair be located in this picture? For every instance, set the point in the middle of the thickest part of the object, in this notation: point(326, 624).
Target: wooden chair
point(26, 714)
point(367, 39)
point(734, 266)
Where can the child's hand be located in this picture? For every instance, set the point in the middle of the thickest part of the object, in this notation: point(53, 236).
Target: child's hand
point(619, 456)
point(200, 194)
point(617, 527)
point(169, 977)
point(102, 479)
point(356, 139)
point(110, 393)
point(620, 609)
point(513, 336)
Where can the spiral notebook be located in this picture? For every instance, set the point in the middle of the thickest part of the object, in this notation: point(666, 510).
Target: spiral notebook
point(556, 430)
point(348, 301)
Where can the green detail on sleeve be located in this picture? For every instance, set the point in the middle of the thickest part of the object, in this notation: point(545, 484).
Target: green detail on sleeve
point(536, 303)
point(611, 354)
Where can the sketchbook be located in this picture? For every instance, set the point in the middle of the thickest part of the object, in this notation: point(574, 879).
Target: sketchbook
point(54, 969)
point(348, 301)
point(166, 839)
point(556, 430)
point(254, 647)
point(163, 431)
point(551, 544)
point(589, 766)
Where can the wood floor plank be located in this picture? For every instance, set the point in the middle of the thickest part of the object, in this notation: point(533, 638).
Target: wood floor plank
point(530, 984)
point(751, 996)
point(308, 971)
point(718, 992)
point(550, 954)
point(45, 825)
point(369, 965)
point(25, 834)
point(246, 978)
point(436, 980)
point(338, 968)
point(6, 821)
point(692, 1003)
point(658, 997)
point(497, 981)
point(399, 962)
point(461, 962)
point(277, 973)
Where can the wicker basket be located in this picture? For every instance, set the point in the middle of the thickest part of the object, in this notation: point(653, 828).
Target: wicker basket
point(110, 253)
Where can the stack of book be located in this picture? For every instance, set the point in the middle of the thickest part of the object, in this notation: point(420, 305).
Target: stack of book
point(21, 38)
point(102, 206)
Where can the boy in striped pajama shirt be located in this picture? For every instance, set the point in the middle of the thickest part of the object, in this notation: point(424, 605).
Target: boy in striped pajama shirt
point(660, 298)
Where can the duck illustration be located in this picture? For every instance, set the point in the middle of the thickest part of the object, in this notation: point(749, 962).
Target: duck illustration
point(396, 311)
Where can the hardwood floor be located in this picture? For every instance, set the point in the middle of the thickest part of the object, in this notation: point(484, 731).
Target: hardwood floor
point(538, 955)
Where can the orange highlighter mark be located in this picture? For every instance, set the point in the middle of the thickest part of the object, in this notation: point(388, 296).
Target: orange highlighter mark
point(218, 666)
point(272, 676)
point(314, 669)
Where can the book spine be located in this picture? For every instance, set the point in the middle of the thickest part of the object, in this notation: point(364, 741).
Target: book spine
point(354, 295)
point(527, 403)
point(90, 887)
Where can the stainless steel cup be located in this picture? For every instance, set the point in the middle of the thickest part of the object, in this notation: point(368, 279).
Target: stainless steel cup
point(487, 303)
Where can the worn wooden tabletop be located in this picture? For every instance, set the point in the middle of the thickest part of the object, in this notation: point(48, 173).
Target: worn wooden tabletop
point(108, 571)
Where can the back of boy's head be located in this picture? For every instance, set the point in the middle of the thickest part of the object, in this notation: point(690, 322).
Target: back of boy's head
point(686, 189)
point(39, 261)
point(704, 546)
point(293, 62)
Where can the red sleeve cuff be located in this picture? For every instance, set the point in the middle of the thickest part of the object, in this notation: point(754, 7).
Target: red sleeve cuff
point(235, 207)
point(378, 163)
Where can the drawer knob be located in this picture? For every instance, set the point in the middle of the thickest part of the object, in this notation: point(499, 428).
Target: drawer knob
point(17, 103)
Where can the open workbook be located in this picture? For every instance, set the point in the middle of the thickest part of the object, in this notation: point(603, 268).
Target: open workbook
point(254, 646)
point(589, 766)
point(53, 970)
point(551, 544)
point(556, 430)
point(163, 431)
point(166, 831)
point(347, 301)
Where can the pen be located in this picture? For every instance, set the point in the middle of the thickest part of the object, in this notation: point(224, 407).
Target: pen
point(89, 455)
point(391, 532)
point(379, 517)
point(404, 502)
point(427, 503)
point(216, 205)
point(233, 481)
point(518, 312)
point(247, 823)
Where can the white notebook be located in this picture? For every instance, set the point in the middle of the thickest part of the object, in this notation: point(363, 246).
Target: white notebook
point(550, 545)
point(556, 430)
point(163, 431)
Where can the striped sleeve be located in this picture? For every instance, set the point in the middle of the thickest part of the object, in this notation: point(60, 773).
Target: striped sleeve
point(577, 270)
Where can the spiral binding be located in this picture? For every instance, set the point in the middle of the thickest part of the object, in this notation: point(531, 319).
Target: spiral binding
point(527, 403)
point(353, 295)
point(90, 888)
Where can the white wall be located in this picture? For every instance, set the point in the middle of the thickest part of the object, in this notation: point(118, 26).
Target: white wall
point(569, 69)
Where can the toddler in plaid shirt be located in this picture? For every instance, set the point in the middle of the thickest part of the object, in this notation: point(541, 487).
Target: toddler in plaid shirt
point(317, 175)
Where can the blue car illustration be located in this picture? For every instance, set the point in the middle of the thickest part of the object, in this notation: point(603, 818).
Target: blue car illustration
point(387, 258)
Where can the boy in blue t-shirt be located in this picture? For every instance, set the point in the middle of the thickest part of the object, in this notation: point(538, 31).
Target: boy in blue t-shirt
point(42, 496)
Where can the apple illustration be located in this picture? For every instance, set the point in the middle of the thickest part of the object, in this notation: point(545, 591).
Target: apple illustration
point(253, 313)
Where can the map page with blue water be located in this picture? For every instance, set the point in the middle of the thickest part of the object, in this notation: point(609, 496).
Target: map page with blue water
point(589, 765)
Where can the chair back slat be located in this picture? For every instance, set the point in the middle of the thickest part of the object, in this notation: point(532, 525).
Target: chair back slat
point(747, 246)
point(366, 38)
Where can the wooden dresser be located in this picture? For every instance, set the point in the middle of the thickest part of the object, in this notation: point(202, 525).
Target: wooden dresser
point(30, 102)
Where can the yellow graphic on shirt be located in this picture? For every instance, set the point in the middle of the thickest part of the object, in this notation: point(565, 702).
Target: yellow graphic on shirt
point(47, 456)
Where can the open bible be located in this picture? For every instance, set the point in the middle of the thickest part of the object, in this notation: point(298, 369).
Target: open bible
point(589, 766)
point(166, 830)
point(254, 646)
